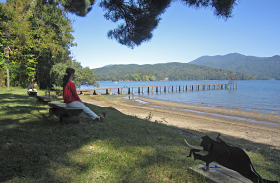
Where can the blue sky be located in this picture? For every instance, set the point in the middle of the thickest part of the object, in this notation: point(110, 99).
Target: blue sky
point(183, 35)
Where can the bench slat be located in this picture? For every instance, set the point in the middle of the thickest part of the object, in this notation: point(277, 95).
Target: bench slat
point(71, 111)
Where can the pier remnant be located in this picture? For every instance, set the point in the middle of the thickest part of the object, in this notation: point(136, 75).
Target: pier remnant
point(160, 89)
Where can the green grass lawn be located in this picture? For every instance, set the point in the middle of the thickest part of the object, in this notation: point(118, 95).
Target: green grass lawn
point(121, 148)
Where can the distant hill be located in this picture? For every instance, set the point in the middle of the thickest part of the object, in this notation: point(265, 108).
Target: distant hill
point(259, 67)
point(170, 71)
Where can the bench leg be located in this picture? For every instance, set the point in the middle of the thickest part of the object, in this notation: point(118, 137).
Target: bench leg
point(66, 119)
point(39, 101)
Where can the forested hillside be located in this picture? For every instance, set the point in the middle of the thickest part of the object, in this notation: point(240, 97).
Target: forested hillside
point(172, 71)
point(259, 67)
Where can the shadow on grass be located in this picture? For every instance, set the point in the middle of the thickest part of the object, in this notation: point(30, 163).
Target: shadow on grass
point(36, 148)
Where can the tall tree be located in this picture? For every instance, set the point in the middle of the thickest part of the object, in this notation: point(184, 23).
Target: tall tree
point(39, 32)
point(83, 76)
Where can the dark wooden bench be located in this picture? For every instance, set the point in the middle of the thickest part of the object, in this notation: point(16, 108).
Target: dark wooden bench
point(43, 99)
point(66, 114)
point(32, 93)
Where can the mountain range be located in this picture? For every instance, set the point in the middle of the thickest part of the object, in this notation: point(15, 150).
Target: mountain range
point(166, 71)
point(259, 67)
point(203, 68)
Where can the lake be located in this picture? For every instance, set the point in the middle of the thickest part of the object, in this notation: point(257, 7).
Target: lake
point(251, 95)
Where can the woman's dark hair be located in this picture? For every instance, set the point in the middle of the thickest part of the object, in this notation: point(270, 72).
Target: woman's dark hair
point(67, 75)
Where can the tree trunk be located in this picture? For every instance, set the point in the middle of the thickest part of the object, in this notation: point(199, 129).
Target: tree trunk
point(6, 53)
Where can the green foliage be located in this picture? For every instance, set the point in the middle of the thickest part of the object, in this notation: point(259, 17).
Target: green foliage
point(79, 7)
point(173, 71)
point(57, 73)
point(83, 76)
point(259, 67)
point(141, 76)
point(39, 34)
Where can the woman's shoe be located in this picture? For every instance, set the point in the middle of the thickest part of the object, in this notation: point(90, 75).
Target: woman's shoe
point(102, 115)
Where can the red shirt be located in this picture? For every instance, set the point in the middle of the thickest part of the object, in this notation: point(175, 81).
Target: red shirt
point(70, 93)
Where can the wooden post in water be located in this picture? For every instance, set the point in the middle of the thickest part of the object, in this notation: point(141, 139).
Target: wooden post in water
point(122, 91)
point(176, 88)
point(132, 91)
point(110, 91)
point(168, 89)
point(143, 90)
point(152, 89)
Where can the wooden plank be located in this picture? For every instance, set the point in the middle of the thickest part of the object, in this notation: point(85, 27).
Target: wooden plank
point(221, 174)
point(43, 99)
point(32, 93)
point(71, 111)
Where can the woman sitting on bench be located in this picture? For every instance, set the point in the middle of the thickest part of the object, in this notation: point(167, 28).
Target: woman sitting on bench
point(71, 97)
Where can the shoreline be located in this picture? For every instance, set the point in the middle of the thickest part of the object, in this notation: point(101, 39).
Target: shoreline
point(265, 131)
point(234, 113)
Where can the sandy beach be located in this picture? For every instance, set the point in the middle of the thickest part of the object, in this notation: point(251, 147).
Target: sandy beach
point(258, 129)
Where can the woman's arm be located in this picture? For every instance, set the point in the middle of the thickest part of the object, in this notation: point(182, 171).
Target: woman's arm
point(74, 92)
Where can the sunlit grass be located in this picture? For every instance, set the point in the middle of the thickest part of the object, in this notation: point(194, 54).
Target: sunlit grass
point(37, 148)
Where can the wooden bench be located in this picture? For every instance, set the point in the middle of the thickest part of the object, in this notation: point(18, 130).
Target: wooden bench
point(43, 99)
point(32, 93)
point(66, 114)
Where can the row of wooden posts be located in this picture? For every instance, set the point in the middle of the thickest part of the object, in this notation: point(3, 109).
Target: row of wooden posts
point(171, 88)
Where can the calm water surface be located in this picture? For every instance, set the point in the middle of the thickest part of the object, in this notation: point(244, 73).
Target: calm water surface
point(258, 95)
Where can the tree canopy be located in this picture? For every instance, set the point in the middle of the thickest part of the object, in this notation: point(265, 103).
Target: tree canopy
point(37, 35)
point(83, 76)
point(139, 18)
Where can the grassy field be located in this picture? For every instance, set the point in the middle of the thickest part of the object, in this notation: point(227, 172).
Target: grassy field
point(121, 148)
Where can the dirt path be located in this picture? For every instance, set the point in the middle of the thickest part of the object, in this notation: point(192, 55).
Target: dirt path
point(258, 128)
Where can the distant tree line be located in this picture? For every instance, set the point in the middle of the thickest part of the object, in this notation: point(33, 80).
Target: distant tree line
point(172, 71)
